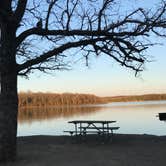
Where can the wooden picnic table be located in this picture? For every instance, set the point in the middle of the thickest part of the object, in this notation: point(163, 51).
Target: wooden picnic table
point(100, 127)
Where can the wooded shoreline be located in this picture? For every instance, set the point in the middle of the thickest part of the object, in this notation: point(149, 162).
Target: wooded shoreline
point(39, 99)
point(145, 97)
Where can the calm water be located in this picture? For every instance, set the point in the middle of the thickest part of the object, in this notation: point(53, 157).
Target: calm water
point(131, 117)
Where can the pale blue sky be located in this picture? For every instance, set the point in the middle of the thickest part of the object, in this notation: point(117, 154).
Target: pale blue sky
point(103, 77)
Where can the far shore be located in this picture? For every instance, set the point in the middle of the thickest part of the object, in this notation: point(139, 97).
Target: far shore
point(124, 150)
point(45, 100)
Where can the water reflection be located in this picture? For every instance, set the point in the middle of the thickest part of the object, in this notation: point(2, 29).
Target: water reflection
point(39, 114)
point(132, 117)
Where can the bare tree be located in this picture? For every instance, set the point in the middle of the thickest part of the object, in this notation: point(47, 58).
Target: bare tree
point(40, 35)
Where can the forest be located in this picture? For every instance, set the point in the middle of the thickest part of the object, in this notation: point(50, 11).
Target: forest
point(146, 97)
point(30, 99)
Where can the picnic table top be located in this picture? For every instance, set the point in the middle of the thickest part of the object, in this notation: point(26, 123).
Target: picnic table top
point(91, 121)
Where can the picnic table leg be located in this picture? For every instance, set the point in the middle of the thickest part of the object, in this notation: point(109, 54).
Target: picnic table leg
point(76, 127)
point(107, 131)
point(77, 137)
point(82, 135)
point(102, 133)
point(111, 136)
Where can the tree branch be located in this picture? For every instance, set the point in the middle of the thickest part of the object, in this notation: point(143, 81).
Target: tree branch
point(57, 51)
point(21, 6)
point(100, 14)
point(142, 26)
point(124, 39)
point(49, 12)
point(44, 32)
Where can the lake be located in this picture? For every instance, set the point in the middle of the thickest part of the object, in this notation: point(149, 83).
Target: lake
point(131, 117)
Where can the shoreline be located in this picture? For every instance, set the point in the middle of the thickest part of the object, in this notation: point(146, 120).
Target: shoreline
point(90, 104)
point(124, 150)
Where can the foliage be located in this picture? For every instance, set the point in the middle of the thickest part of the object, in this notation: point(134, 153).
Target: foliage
point(46, 100)
point(53, 99)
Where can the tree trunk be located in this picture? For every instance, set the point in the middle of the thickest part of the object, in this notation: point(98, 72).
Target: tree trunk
point(8, 116)
point(8, 94)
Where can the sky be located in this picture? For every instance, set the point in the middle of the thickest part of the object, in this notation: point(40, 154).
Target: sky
point(103, 77)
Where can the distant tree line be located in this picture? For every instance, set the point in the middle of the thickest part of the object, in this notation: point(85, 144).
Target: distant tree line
point(30, 99)
point(146, 97)
point(53, 99)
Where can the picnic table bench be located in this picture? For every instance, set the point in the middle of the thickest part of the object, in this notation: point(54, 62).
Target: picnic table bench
point(84, 127)
point(162, 116)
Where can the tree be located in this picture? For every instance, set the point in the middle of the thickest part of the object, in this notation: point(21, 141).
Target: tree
point(38, 35)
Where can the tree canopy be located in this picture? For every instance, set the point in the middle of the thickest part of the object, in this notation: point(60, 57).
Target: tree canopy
point(46, 29)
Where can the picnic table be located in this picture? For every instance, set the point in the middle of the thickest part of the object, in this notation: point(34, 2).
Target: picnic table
point(100, 127)
point(162, 116)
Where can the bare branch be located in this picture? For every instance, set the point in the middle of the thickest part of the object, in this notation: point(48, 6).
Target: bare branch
point(21, 6)
point(106, 3)
point(52, 3)
point(72, 25)
point(57, 51)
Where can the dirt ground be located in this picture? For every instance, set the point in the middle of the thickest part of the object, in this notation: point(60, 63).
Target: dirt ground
point(124, 150)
